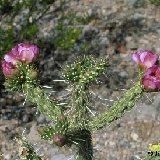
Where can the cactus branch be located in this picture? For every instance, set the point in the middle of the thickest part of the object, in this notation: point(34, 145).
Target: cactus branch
point(118, 109)
point(46, 106)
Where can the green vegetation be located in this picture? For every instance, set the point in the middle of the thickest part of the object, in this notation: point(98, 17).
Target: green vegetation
point(68, 31)
point(6, 40)
point(64, 36)
point(28, 32)
point(156, 2)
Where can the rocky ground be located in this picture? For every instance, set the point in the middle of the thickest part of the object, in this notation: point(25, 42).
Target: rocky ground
point(118, 27)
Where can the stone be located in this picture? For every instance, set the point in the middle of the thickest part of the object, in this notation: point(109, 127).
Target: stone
point(89, 32)
point(104, 41)
point(136, 3)
point(25, 118)
point(123, 74)
point(134, 136)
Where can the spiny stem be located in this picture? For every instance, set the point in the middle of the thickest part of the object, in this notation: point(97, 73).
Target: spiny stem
point(80, 118)
point(118, 109)
point(46, 106)
point(79, 102)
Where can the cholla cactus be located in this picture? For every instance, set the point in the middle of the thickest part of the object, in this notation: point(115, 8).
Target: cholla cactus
point(74, 122)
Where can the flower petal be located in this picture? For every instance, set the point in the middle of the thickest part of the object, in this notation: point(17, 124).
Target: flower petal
point(145, 59)
point(150, 59)
point(8, 68)
point(27, 52)
point(11, 58)
point(149, 83)
point(152, 70)
point(136, 57)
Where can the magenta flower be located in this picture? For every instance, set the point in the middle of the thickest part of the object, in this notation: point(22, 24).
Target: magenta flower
point(151, 79)
point(22, 52)
point(11, 58)
point(26, 52)
point(145, 59)
point(8, 68)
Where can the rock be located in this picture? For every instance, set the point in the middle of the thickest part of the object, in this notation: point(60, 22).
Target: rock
point(123, 74)
point(7, 157)
point(136, 3)
point(113, 144)
point(134, 136)
point(41, 119)
point(131, 43)
point(104, 42)
point(61, 156)
point(33, 135)
point(89, 32)
point(25, 118)
point(3, 102)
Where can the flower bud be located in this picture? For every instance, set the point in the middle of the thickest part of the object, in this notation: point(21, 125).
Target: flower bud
point(9, 70)
point(32, 74)
point(59, 139)
point(151, 79)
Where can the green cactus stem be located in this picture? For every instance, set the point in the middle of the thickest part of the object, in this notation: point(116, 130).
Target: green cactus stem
point(126, 103)
point(79, 103)
point(46, 106)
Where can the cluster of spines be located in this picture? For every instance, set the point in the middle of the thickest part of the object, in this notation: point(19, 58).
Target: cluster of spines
point(26, 74)
point(84, 70)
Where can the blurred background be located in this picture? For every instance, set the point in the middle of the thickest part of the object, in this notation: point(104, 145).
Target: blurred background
point(64, 30)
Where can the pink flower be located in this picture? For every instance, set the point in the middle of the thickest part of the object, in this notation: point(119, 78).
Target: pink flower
point(22, 52)
point(145, 59)
point(12, 58)
point(26, 52)
point(151, 79)
point(8, 68)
